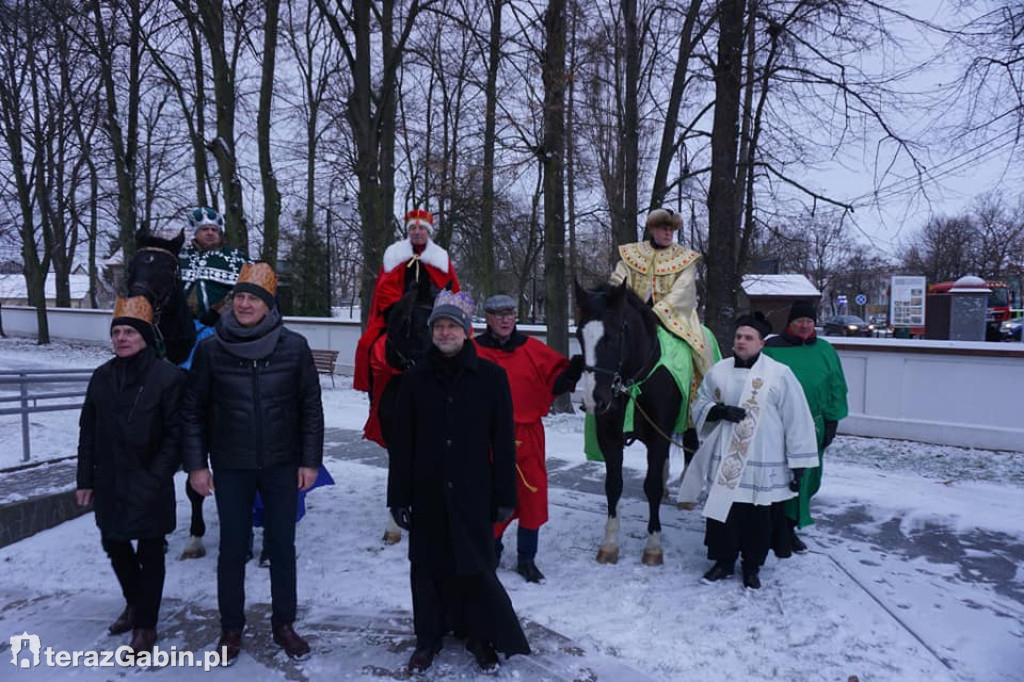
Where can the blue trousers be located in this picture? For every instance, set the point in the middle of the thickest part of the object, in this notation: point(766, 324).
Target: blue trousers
point(235, 490)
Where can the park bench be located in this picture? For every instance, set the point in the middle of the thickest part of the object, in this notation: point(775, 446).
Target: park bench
point(325, 361)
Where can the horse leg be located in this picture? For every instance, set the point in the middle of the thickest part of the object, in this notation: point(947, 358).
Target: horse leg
point(654, 485)
point(392, 533)
point(608, 553)
point(195, 549)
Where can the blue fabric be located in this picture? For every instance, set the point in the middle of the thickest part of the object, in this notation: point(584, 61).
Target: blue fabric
point(202, 331)
point(323, 477)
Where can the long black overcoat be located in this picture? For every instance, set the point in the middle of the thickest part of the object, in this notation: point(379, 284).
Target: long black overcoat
point(129, 445)
point(452, 460)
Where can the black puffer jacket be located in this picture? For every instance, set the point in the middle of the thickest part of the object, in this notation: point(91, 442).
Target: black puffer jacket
point(128, 445)
point(249, 414)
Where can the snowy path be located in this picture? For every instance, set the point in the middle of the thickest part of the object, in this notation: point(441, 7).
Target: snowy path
point(916, 573)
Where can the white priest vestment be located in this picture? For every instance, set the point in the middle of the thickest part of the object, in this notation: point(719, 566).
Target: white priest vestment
point(750, 461)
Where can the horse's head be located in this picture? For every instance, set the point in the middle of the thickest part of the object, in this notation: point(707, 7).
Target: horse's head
point(409, 337)
point(615, 335)
point(153, 271)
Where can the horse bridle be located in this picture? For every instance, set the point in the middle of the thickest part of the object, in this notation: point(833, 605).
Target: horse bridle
point(620, 386)
point(158, 301)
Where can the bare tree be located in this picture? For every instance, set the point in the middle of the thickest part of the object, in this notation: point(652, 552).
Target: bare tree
point(271, 193)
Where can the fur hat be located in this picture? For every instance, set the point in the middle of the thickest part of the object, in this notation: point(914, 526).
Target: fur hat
point(135, 312)
point(457, 307)
point(421, 218)
point(802, 309)
point(664, 217)
point(757, 320)
point(499, 302)
point(258, 279)
point(202, 216)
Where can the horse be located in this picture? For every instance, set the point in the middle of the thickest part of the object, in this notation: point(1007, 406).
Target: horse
point(406, 342)
point(154, 273)
point(619, 337)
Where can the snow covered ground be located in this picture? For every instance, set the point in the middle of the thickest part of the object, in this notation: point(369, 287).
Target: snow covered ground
point(916, 570)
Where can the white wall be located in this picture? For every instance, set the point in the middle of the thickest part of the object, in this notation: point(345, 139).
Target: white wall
point(946, 392)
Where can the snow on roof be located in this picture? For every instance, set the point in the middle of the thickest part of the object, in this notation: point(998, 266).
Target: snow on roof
point(778, 285)
point(13, 286)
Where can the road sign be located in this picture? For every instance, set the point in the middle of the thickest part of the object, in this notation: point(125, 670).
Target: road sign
point(841, 299)
point(861, 299)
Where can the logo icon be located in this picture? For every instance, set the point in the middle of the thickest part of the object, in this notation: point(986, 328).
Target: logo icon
point(28, 646)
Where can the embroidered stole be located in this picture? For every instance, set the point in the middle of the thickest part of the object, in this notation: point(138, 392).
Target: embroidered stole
point(734, 442)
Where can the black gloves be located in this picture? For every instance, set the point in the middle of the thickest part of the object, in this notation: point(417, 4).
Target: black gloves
point(402, 515)
point(729, 413)
point(830, 433)
point(566, 381)
point(504, 513)
point(798, 476)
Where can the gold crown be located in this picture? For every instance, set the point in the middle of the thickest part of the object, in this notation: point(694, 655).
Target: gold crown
point(135, 307)
point(259, 274)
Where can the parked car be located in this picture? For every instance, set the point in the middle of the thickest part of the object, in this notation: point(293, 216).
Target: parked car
point(1010, 330)
point(847, 325)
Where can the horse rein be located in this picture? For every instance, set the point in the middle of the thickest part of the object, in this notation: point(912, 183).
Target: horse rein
point(620, 387)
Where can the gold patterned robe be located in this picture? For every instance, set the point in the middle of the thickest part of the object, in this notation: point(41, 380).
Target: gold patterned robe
point(668, 278)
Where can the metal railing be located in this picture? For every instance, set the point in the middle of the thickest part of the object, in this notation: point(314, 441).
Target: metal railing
point(23, 379)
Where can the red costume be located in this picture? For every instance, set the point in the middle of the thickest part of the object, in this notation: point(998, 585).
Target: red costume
point(400, 266)
point(532, 368)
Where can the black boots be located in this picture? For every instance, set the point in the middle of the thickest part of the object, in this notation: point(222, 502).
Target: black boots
point(530, 572)
point(720, 571)
point(422, 658)
point(750, 578)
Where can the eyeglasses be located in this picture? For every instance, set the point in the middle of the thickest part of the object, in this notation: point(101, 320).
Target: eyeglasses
point(504, 314)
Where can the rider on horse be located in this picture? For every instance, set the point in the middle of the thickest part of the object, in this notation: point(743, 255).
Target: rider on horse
point(406, 263)
point(209, 269)
point(663, 274)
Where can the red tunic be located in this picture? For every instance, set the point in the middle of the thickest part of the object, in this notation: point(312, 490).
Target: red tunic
point(532, 369)
point(390, 287)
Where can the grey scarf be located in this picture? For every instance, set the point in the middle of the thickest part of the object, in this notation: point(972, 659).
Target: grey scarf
point(251, 343)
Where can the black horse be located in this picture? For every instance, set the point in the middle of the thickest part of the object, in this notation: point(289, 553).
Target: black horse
point(154, 273)
point(407, 342)
point(619, 338)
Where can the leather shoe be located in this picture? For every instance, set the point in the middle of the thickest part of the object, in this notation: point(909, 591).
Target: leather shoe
point(483, 652)
point(143, 639)
point(422, 658)
point(798, 545)
point(720, 571)
point(751, 579)
point(529, 570)
point(229, 646)
point(286, 637)
point(124, 622)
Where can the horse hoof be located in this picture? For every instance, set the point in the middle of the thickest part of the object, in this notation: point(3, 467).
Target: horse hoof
point(392, 538)
point(193, 550)
point(653, 558)
point(608, 556)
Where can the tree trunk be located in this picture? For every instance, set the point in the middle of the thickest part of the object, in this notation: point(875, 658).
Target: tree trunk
point(724, 193)
point(554, 77)
point(669, 147)
point(124, 145)
point(271, 194)
point(223, 145)
point(630, 144)
point(491, 104)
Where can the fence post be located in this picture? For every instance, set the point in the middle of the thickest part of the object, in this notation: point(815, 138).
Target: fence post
point(25, 448)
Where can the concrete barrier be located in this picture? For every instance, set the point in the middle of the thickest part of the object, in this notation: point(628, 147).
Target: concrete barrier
point(19, 520)
point(945, 392)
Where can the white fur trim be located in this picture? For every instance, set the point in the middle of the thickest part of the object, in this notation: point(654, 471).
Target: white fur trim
point(420, 222)
point(399, 253)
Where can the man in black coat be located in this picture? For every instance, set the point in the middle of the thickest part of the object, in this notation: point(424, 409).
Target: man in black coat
point(451, 475)
point(253, 403)
point(128, 451)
